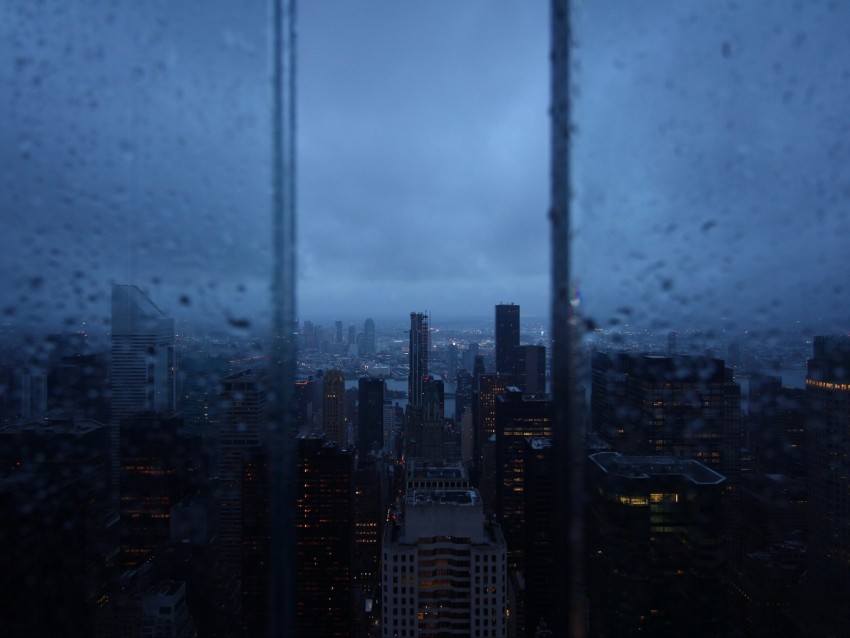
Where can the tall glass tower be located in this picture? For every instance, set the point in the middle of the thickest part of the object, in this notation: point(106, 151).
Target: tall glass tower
point(142, 370)
point(142, 376)
point(419, 344)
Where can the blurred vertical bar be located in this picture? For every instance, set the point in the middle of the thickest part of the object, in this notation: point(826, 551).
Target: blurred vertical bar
point(569, 618)
point(282, 369)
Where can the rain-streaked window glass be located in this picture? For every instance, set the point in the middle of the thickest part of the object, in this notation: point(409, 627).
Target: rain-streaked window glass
point(170, 466)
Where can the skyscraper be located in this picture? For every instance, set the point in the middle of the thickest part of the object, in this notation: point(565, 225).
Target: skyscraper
point(828, 578)
point(517, 418)
point(683, 406)
point(507, 338)
point(333, 408)
point(444, 568)
point(540, 541)
point(418, 354)
point(142, 370)
point(160, 465)
point(655, 546)
point(531, 369)
point(369, 337)
point(370, 416)
point(243, 410)
point(142, 376)
point(324, 551)
point(490, 386)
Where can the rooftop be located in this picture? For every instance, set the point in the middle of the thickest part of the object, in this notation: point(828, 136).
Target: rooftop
point(442, 497)
point(434, 469)
point(644, 467)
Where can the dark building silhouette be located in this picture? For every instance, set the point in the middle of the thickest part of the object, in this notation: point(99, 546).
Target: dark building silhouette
point(531, 369)
point(540, 538)
point(518, 417)
point(490, 386)
point(451, 362)
point(325, 538)
point(57, 532)
point(243, 413)
point(160, 466)
point(478, 369)
point(463, 394)
point(765, 582)
point(507, 338)
point(775, 429)
point(468, 357)
point(333, 408)
point(77, 379)
point(369, 515)
point(144, 605)
point(425, 425)
point(828, 574)
point(370, 416)
point(369, 337)
point(304, 395)
point(687, 407)
point(200, 383)
point(142, 363)
point(256, 543)
point(655, 545)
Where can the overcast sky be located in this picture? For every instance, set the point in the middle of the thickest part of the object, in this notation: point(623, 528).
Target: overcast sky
point(710, 158)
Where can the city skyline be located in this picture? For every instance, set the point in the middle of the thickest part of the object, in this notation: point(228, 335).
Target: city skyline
point(377, 513)
point(670, 482)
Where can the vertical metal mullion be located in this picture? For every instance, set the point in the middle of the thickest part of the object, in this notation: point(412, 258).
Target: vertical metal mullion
point(569, 618)
point(281, 435)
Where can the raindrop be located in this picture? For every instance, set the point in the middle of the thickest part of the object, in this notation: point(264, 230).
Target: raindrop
point(239, 322)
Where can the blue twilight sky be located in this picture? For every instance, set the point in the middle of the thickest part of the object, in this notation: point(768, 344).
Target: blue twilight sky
point(710, 157)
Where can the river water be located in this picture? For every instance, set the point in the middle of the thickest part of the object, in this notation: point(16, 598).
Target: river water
point(400, 385)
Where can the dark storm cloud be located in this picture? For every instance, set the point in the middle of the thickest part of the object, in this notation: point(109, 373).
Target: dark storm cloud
point(703, 146)
point(710, 159)
point(134, 149)
point(429, 121)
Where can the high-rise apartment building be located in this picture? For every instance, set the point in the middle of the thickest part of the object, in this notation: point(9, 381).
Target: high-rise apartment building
point(444, 567)
point(828, 577)
point(507, 338)
point(419, 347)
point(333, 408)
